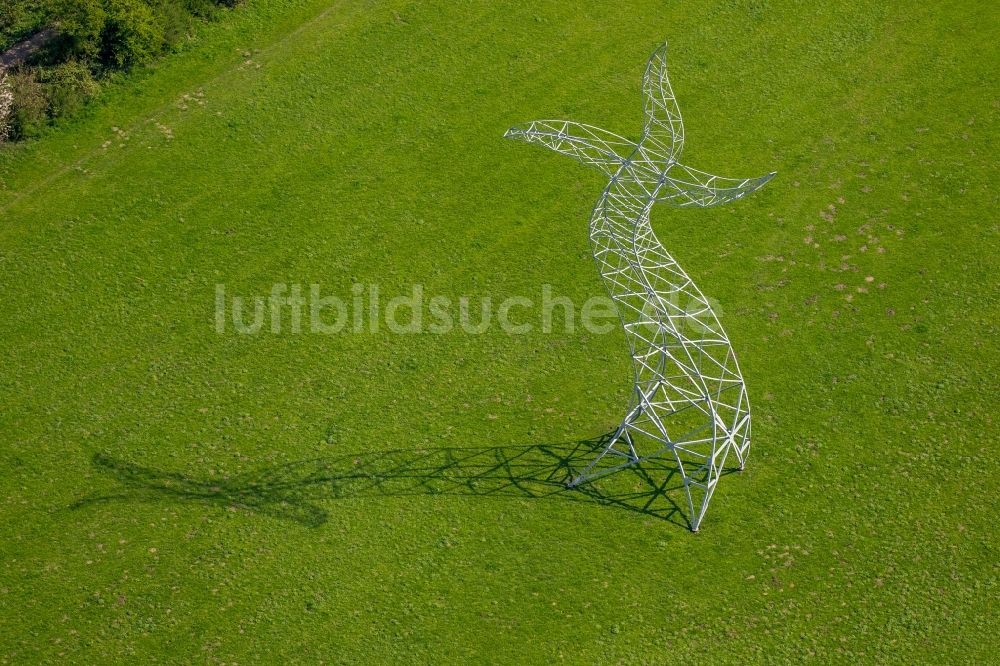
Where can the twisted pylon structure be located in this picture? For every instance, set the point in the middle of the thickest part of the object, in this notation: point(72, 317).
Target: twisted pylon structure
point(689, 399)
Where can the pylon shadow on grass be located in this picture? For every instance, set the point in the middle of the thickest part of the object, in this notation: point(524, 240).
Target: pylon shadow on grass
point(294, 491)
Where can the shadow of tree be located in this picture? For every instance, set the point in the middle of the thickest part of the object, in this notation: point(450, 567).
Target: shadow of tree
point(294, 490)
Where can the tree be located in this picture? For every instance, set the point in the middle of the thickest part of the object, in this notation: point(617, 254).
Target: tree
point(132, 34)
point(80, 24)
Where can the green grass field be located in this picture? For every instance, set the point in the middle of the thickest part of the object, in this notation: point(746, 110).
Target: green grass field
point(171, 494)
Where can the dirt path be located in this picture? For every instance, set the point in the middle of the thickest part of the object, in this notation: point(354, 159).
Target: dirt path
point(20, 52)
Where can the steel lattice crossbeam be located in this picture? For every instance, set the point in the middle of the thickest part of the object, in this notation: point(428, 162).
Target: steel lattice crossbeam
point(689, 399)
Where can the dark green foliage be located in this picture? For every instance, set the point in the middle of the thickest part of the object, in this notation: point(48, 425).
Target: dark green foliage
point(18, 19)
point(132, 34)
point(80, 23)
point(203, 8)
point(11, 14)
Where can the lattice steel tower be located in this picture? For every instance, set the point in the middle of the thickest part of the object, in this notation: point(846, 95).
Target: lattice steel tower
point(689, 399)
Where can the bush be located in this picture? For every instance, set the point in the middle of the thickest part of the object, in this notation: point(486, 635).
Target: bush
point(176, 20)
point(202, 8)
point(17, 17)
point(29, 112)
point(132, 34)
point(11, 14)
point(68, 87)
point(80, 24)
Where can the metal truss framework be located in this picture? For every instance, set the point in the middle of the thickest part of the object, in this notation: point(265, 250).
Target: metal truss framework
point(689, 399)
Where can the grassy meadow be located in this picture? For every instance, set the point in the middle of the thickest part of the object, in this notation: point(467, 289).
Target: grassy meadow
point(173, 494)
